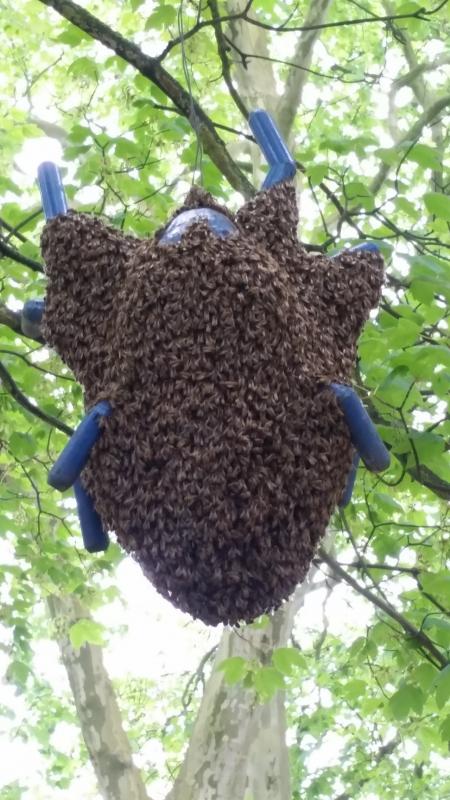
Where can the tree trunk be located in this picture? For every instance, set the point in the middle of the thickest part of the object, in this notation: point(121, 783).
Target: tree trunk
point(96, 704)
point(237, 749)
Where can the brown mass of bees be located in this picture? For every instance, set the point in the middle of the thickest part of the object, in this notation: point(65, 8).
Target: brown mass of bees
point(226, 452)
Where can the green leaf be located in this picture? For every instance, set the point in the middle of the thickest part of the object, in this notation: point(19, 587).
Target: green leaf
point(316, 173)
point(409, 7)
point(260, 623)
point(424, 675)
point(22, 444)
point(444, 729)
point(408, 208)
point(72, 36)
point(407, 699)
point(438, 204)
point(287, 659)
point(433, 621)
point(126, 148)
point(442, 683)
point(424, 155)
point(355, 688)
point(436, 582)
point(86, 631)
point(268, 681)
point(162, 17)
point(358, 193)
point(234, 669)
point(83, 67)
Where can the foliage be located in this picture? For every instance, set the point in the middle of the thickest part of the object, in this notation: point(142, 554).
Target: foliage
point(370, 138)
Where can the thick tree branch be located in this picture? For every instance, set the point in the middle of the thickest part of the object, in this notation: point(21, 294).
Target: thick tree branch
point(12, 389)
point(296, 78)
point(410, 629)
point(152, 69)
point(256, 82)
point(430, 480)
point(10, 252)
point(429, 117)
point(421, 88)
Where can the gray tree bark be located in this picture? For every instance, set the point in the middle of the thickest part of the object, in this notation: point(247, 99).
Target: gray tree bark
point(238, 745)
point(96, 704)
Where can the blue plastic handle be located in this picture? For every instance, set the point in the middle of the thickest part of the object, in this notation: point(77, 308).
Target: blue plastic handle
point(219, 223)
point(95, 539)
point(282, 165)
point(52, 191)
point(363, 432)
point(75, 455)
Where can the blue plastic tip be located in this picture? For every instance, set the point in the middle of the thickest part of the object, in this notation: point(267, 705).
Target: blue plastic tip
point(52, 191)
point(349, 486)
point(33, 311)
point(31, 318)
point(75, 455)
point(95, 539)
point(219, 223)
point(363, 433)
point(282, 165)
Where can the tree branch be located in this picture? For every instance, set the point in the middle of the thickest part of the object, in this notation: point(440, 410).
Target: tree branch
point(10, 252)
point(243, 15)
point(96, 704)
point(296, 78)
point(152, 69)
point(404, 623)
point(222, 48)
point(10, 318)
point(427, 118)
point(12, 388)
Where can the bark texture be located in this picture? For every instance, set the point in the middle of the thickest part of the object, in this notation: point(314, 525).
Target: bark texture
point(96, 704)
point(238, 746)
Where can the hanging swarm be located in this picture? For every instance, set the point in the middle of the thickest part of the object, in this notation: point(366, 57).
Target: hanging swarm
point(226, 452)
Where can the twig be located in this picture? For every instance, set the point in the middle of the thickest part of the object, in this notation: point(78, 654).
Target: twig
point(12, 388)
point(387, 608)
point(10, 252)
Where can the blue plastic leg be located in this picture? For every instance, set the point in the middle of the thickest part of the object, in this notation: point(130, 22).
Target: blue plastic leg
point(76, 453)
point(351, 478)
point(282, 165)
point(65, 472)
point(31, 319)
point(52, 191)
point(363, 433)
point(95, 539)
